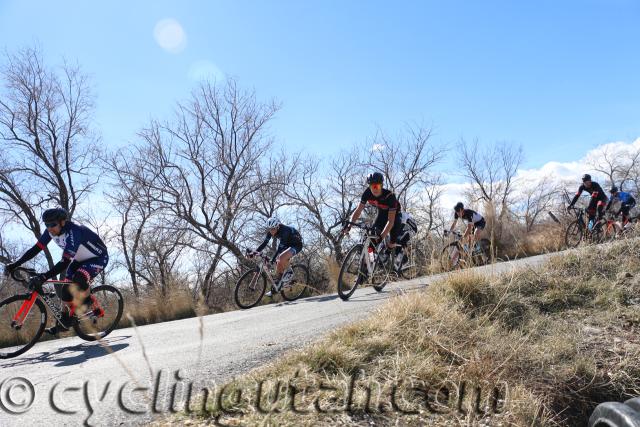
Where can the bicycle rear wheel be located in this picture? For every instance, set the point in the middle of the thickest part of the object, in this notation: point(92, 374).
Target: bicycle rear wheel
point(103, 316)
point(298, 285)
point(483, 254)
point(20, 325)
point(352, 273)
point(250, 288)
point(415, 263)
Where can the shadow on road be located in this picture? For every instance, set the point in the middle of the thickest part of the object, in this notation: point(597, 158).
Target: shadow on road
point(85, 350)
point(319, 298)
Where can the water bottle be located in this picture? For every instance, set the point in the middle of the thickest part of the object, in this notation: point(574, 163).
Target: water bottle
point(590, 224)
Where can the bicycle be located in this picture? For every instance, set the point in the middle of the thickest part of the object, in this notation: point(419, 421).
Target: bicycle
point(579, 230)
point(369, 259)
point(456, 254)
point(23, 317)
point(252, 284)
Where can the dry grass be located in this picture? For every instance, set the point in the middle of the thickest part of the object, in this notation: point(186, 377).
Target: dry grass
point(156, 307)
point(553, 342)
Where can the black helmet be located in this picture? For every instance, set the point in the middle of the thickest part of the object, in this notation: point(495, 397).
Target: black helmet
point(375, 178)
point(458, 206)
point(54, 215)
point(586, 177)
point(613, 190)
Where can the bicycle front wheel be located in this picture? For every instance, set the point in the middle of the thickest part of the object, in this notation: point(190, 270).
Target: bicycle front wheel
point(21, 324)
point(573, 236)
point(250, 288)
point(297, 287)
point(352, 273)
point(450, 257)
point(103, 316)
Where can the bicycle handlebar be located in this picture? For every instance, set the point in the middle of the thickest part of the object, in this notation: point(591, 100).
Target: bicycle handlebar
point(455, 233)
point(22, 274)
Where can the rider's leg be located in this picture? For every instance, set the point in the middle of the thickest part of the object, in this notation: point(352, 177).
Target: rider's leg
point(626, 211)
point(283, 260)
point(601, 205)
point(81, 280)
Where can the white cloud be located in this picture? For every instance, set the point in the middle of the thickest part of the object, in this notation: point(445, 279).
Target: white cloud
point(573, 171)
point(170, 35)
point(377, 147)
point(205, 70)
point(569, 173)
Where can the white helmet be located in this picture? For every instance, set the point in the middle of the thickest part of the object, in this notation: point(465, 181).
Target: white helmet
point(272, 222)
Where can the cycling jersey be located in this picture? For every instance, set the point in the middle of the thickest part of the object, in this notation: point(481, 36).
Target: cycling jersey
point(385, 202)
point(288, 236)
point(624, 197)
point(469, 215)
point(595, 190)
point(77, 242)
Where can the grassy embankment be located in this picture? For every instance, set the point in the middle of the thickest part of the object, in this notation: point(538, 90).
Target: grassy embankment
point(541, 346)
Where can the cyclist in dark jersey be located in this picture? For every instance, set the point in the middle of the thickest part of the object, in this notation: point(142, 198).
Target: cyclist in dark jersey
point(289, 244)
point(598, 198)
point(627, 202)
point(475, 222)
point(388, 221)
point(84, 256)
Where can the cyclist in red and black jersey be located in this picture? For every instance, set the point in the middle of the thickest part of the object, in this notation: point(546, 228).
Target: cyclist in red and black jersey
point(388, 221)
point(598, 199)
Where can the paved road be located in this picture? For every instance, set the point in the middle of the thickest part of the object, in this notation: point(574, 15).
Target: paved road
point(73, 382)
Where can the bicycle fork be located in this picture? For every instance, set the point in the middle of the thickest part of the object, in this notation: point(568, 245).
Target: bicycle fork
point(21, 315)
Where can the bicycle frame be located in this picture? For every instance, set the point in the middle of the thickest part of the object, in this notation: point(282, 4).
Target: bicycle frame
point(25, 309)
point(367, 243)
point(264, 266)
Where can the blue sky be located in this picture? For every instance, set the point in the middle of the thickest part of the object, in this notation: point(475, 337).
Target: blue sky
point(557, 77)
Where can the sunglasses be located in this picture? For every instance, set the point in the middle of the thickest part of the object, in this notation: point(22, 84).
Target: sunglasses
point(375, 186)
point(50, 224)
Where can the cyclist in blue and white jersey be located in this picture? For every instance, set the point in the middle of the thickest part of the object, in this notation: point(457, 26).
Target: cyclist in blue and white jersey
point(84, 256)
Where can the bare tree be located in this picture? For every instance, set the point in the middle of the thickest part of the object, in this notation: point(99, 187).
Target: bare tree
point(203, 167)
point(406, 160)
point(491, 172)
point(49, 148)
point(621, 165)
point(537, 198)
point(327, 197)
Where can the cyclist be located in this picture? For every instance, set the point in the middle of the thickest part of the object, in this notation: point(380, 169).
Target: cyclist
point(84, 256)
point(389, 219)
point(475, 223)
point(627, 202)
point(290, 243)
point(598, 198)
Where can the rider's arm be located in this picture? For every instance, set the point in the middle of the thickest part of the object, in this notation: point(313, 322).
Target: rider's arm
point(264, 243)
point(60, 267)
point(575, 198)
point(32, 252)
point(35, 249)
point(357, 212)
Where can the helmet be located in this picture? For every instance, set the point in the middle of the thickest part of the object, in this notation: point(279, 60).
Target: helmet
point(613, 190)
point(272, 222)
point(458, 206)
point(375, 178)
point(55, 214)
point(586, 177)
